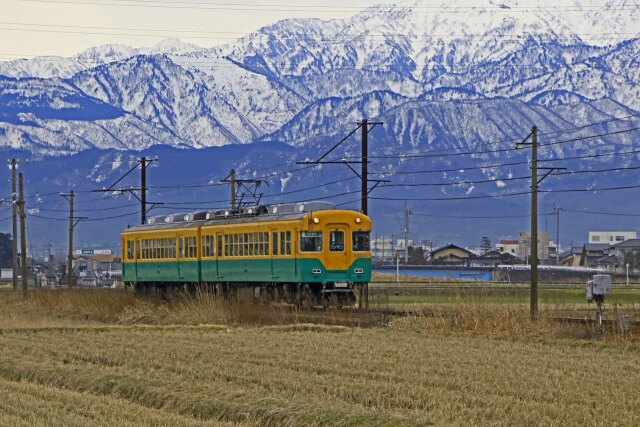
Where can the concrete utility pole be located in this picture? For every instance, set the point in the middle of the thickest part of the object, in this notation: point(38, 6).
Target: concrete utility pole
point(23, 235)
point(73, 221)
point(558, 209)
point(406, 232)
point(70, 253)
point(14, 207)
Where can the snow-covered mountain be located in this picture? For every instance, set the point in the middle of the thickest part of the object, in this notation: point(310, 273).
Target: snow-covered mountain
point(444, 77)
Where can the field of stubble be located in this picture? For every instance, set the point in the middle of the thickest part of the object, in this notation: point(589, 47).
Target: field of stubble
point(115, 363)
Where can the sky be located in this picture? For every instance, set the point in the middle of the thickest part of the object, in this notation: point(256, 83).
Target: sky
point(66, 27)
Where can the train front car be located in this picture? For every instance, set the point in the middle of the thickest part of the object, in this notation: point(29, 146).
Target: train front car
point(334, 250)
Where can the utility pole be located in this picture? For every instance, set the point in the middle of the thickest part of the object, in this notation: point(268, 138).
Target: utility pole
point(73, 221)
point(23, 236)
point(70, 253)
point(406, 232)
point(365, 126)
point(232, 177)
point(143, 162)
point(558, 209)
point(143, 189)
point(245, 187)
point(364, 203)
point(535, 182)
point(14, 207)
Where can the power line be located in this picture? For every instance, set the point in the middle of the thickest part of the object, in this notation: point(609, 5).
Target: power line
point(275, 7)
point(501, 150)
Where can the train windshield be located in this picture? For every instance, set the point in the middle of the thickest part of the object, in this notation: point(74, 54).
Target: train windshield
point(361, 241)
point(311, 241)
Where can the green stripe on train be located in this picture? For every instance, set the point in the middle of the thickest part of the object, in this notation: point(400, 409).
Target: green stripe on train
point(251, 270)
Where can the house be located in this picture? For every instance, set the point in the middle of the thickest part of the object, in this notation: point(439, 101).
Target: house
point(611, 237)
point(97, 269)
point(495, 257)
point(627, 252)
point(572, 257)
point(509, 247)
point(592, 252)
point(451, 254)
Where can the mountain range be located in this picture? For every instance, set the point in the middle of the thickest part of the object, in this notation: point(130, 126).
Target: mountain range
point(445, 79)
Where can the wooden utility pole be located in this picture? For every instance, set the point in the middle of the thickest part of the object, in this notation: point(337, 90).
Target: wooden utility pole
point(535, 182)
point(23, 236)
point(14, 208)
point(243, 187)
point(232, 178)
point(534, 224)
point(143, 190)
point(364, 177)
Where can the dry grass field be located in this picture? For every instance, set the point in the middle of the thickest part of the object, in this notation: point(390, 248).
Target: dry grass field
point(96, 358)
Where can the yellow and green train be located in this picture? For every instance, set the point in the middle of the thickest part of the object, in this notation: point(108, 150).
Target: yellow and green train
point(302, 253)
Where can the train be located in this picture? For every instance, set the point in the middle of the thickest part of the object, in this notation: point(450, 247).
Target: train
point(308, 253)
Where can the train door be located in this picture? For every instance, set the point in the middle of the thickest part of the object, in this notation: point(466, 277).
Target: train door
point(180, 255)
point(218, 253)
point(337, 250)
point(273, 240)
point(136, 257)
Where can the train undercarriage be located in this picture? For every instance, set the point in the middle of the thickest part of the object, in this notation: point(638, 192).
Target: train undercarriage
point(332, 294)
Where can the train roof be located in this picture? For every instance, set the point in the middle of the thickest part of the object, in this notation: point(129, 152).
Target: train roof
point(280, 212)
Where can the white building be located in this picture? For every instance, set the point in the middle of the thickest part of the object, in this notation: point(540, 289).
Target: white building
point(382, 247)
point(510, 247)
point(611, 237)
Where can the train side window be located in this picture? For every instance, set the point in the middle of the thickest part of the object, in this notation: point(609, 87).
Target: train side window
point(336, 241)
point(226, 245)
point(181, 252)
point(287, 245)
point(219, 244)
point(282, 244)
point(261, 243)
point(235, 251)
point(310, 241)
point(212, 245)
point(245, 244)
point(193, 248)
point(275, 242)
point(266, 243)
point(129, 250)
point(250, 247)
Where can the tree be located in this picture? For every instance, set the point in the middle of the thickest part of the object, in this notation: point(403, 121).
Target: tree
point(6, 250)
point(485, 245)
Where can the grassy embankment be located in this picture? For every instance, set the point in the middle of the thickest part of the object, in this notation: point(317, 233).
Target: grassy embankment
point(101, 358)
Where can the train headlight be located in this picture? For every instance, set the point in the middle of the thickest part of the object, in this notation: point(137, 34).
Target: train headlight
point(316, 220)
point(358, 220)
